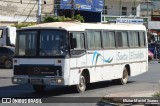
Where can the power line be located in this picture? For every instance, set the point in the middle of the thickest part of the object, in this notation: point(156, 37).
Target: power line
point(30, 12)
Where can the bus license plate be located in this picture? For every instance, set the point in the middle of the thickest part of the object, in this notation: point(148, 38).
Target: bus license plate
point(35, 81)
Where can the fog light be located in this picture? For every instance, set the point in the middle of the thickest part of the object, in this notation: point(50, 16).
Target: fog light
point(52, 81)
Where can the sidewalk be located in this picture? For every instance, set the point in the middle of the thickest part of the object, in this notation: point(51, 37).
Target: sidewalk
point(135, 98)
point(132, 94)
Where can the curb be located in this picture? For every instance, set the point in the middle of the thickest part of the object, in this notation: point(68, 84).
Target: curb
point(135, 98)
point(132, 94)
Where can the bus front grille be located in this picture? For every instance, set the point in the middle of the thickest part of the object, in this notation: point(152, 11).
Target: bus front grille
point(38, 70)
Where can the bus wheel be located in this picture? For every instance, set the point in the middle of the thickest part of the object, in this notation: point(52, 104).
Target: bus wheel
point(81, 87)
point(124, 79)
point(39, 88)
point(8, 64)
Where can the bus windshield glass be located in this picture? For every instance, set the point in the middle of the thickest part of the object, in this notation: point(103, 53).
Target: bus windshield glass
point(41, 43)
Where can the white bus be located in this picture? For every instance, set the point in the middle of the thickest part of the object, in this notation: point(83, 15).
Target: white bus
point(70, 53)
point(7, 35)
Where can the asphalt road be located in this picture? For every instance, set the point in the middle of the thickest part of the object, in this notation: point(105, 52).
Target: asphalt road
point(149, 81)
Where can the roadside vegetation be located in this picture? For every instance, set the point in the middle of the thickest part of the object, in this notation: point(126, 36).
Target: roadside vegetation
point(156, 94)
point(20, 25)
point(63, 18)
point(51, 19)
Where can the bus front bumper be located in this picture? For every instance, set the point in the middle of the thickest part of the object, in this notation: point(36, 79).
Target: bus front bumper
point(38, 80)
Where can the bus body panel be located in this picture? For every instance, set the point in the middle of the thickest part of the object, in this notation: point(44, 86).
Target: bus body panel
point(94, 61)
point(102, 64)
point(34, 65)
point(77, 64)
point(144, 63)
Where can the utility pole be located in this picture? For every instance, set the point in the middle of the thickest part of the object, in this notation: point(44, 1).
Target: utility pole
point(134, 9)
point(39, 10)
point(147, 8)
point(72, 8)
point(120, 7)
point(21, 1)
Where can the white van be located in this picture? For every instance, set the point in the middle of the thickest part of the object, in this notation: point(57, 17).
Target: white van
point(7, 35)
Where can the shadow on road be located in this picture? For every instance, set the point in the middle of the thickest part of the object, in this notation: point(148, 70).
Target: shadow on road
point(103, 84)
point(2, 67)
point(27, 91)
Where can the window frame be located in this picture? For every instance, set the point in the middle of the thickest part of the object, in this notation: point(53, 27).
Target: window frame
point(144, 39)
point(103, 39)
point(137, 31)
point(105, 10)
point(134, 11)
point(87, 40)
point(124, 11)
point(79, 32)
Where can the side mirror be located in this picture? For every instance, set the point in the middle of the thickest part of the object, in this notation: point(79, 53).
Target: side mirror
point(73, 43)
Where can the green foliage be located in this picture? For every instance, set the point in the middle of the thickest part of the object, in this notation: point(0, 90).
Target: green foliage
point(56, 19)
point(19, 25)
point(63, 18)
point(156, 94)
point(79, 18)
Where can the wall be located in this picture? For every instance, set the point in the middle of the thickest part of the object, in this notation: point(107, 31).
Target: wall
point(115, 10)
point(14, 10)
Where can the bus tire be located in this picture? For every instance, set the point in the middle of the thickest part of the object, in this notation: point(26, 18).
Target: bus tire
point(81, 87)
point(39, 88)
point(124, 79)
point(8, 64)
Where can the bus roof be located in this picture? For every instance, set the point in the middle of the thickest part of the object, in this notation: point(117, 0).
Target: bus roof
point(77, 26)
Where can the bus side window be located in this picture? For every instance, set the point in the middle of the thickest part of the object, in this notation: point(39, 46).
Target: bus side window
point(119, 42)
point(142, 39)
point(77, 40)
point(77, 43)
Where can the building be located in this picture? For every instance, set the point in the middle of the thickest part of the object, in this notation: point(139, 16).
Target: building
point(155, 15)
point(93, 10)
point(120, 9)
point(151, 9)
point(12, 11)
point(148, 7)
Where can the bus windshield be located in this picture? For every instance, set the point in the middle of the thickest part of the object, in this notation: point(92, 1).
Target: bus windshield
point(41, 43)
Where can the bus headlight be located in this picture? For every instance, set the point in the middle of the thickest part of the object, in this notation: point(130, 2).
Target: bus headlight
point(56, 81)
point(15, 79)
point(59, 81)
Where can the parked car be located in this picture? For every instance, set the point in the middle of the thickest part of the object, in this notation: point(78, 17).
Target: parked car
point(6, 56)
point(150, 55)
